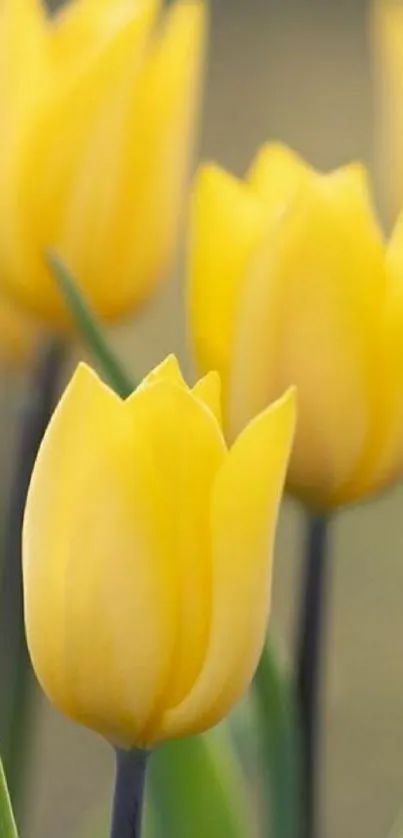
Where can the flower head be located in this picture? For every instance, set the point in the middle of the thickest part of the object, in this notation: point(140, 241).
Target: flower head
point(98, 107)
point(291, 283)
point(148, 554)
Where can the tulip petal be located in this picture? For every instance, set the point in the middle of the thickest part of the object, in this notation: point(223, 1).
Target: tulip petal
point(22, 39)
point(134, 238)
point(208, 391)
point(168, 370)
point(387, 61)
point(158, 158)
point(276, 174)
point(82, 29)
point(99, 596)
point(384, 461)
point(310, 317)
point(185, 447)
point(244, 509)
point(23, 61)
point(46, 168)
point(228, 222)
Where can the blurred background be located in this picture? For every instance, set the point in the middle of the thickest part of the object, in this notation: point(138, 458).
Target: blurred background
point(298, 71)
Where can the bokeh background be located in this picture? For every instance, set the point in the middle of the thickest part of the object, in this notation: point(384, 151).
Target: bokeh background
point(299, 71)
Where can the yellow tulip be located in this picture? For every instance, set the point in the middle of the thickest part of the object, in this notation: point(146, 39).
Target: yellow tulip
point(387, 26)
point(147, 552)
point(98, 109)
point(291, 283)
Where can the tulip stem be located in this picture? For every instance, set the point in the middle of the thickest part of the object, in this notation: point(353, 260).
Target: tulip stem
point(15, 670)
point(129, 793)
point(91, 328)
point(310, 640)
point(274, 699)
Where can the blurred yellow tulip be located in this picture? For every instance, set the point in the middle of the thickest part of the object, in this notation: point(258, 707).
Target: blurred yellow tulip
point(387, 26)
point(98, 110)
point(147, 588)
point(291, 283)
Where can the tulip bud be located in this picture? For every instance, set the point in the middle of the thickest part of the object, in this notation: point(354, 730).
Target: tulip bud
point(147, 554)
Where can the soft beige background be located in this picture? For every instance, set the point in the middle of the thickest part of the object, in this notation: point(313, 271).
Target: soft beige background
point(299, 72)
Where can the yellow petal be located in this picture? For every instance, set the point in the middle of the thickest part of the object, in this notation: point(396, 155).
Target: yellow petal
point(23, 64)
point(82, 28)
point(168, 370)
point(387, 31)
point(384, 461)
point(244, 509)
point(151, 146)
point(22, 39)
point(276, 174)
point(99, 595)
point(226, 226)
point(382, 454)
point(208, 391)
point(45, 170)
point(349, 191)
point(185, 447)
point(310, 317)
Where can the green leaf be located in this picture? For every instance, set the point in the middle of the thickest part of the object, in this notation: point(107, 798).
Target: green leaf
point(196, 789)
point(8, 827)
point(277, 722)
point(91, 328)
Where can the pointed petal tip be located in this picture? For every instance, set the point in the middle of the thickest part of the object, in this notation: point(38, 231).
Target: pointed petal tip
point(210, 174)
point(275, 150)
point(85, 381)
point(168, 370)
point(208, 391)
point(283, 410)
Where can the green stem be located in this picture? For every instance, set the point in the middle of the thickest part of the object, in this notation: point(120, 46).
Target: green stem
point(311, 631)
point(91, 328)
point(129, 793)
point(279, 731)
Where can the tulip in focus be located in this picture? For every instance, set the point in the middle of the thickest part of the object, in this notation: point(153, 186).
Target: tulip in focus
point(98, 107)
point(147, 554)
point(387, 26)
point(291, 283)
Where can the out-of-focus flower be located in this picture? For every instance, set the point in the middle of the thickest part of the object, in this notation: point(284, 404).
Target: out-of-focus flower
point(387, 25)
point(148, 554)
point(98, 107)
point(292, 284)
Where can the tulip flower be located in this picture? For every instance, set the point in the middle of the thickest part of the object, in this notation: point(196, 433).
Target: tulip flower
point(147, 554)
point(291, 283)
point(387, 26)
point(98, 108)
